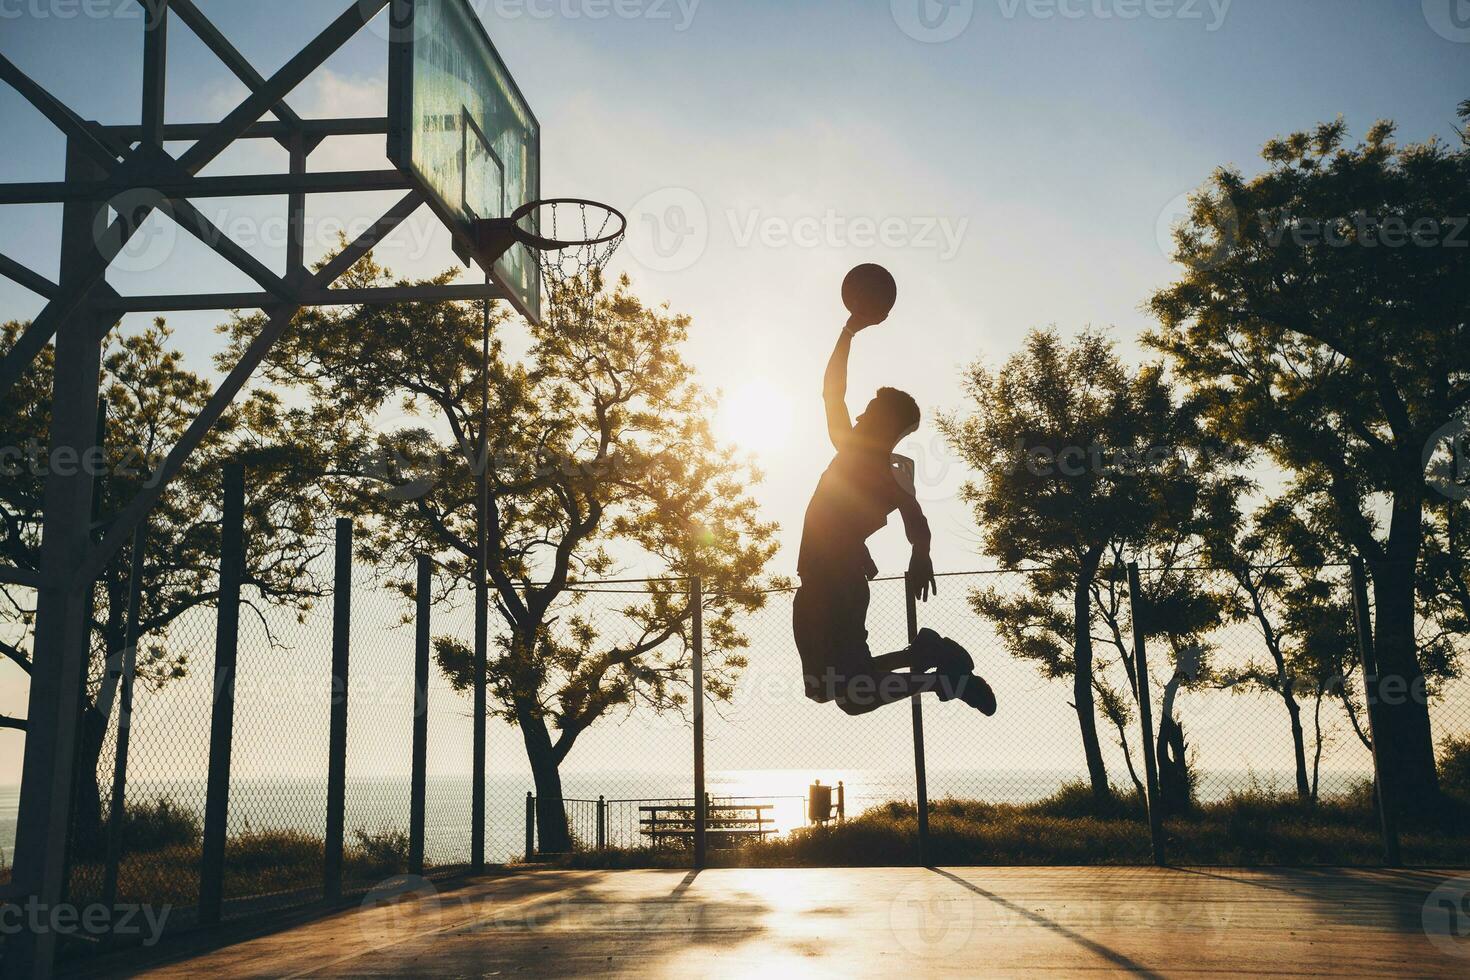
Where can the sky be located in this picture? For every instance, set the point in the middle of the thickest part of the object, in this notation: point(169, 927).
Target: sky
point(1016, 164)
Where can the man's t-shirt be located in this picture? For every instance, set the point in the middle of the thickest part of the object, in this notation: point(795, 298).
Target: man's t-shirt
point(853, 500)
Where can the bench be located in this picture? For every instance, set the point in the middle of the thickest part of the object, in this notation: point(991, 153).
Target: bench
point(726, 824)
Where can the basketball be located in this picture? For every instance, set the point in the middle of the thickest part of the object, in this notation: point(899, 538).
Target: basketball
point(869, 291)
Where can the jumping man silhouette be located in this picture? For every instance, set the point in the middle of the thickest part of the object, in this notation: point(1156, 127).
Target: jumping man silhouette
point(862, 486)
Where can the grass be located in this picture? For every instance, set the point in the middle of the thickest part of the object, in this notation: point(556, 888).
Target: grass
point(257, 863)
point(1253, 828)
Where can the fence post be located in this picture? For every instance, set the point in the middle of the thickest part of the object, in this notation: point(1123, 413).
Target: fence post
point(841, 802)
point(124, 720)
point(1146, 718)
point(222, 721)
point(337, 734)
point(1363, 624)
point(418, 788)
point(701, 804)
point(602, 823)
point(530, 826)
point(921, 777)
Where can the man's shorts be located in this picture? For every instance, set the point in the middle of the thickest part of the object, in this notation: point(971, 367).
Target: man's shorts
point(829, 618)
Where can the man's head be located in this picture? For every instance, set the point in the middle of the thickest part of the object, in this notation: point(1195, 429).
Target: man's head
point(889, 417)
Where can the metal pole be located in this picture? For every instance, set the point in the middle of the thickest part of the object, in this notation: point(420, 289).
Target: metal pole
point(61, 637)
point(89, 615)
point(921, 777)
point(602, 823)
point(482, 598)
point(1363, 623)
point(1146, 718)
point(124, 721)
point(841, 802)
point(420, 718)
point(155, 70)
point(701, 804)
point(530, 826)
point(337, 734)
point(222, 721)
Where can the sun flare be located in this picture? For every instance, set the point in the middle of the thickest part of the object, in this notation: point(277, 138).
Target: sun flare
point(756, 416)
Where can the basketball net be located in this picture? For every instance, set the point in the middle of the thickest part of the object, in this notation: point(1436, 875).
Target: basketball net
point(572, 275)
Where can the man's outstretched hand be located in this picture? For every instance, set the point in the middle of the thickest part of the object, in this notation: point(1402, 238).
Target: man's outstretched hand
point(857, 324)
point(921, 576)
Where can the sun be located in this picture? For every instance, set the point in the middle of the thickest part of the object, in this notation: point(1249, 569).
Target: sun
point(756, 416)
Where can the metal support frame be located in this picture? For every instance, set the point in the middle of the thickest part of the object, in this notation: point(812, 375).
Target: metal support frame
point(419, 780)
point(337, 732)
point(81, 309)
point(1146, 718)
point(61, 638)
point(701, 801)
point(921, 775)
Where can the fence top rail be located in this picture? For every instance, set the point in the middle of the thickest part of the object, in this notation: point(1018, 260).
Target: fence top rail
point(598, 586)
point(714, 798)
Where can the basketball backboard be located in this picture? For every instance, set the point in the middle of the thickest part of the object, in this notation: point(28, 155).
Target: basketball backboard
point(462, 131)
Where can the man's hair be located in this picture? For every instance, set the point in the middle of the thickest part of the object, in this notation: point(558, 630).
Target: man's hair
point(899, 408)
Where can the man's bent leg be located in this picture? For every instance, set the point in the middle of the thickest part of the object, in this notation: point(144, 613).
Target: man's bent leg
point(866, 692)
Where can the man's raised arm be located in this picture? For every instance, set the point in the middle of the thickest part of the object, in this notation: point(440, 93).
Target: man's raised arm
point(834, 390)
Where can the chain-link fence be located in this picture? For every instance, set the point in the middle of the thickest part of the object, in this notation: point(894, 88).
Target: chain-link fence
point(1259, 727)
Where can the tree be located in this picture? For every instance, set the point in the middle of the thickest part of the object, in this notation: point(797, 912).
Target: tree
point(150, 399)
point(1322, 318)
point(1077, 456)
point(598, 452)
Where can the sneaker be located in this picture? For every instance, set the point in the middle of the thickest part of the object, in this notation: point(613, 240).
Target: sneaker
point(977, 694)
point(942, 654)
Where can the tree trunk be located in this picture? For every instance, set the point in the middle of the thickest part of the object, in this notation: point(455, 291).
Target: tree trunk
point(1298, 743)
point(1401, 715)
point(553, 834)
point(1284, 684)
point(1097, 773)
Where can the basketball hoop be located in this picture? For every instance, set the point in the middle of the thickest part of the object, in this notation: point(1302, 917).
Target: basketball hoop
point(580, 238)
